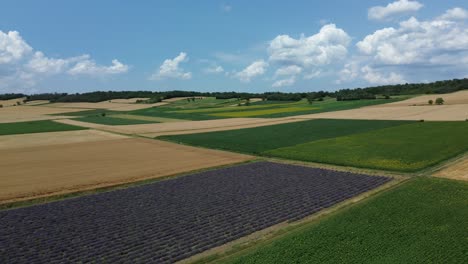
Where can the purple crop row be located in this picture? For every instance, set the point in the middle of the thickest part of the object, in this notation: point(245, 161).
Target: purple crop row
point(167, 221)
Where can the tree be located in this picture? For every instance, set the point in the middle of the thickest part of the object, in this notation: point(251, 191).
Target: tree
point(439, 101)
point(430, 102)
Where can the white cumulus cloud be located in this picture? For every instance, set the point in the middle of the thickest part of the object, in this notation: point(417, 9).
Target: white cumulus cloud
point(434, 47)
point(22, 67)
point(416, 42)
point(375, 77)
point(456, 13)
point(325, 47)
point(88, 66)
point(170, 69)
point(284, 82)
point(396, 8)
point(255, 69)
point(214, 69)
point(12, 47)
point(288, 70)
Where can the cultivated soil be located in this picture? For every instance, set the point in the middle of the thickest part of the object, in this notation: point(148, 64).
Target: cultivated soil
point(55, 138)
point(457, 170)
point(48, 170)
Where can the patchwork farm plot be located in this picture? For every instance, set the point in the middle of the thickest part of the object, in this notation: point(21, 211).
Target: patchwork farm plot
point(403, 148)
point(171, 220)
point(66, 168)
point(30, 113)
point(389, 145)
point(229, 108)
point(35, 127)
point(261, 139)
point(113, 121)
point(421, 221)
point(144, 200)
point(55, 138)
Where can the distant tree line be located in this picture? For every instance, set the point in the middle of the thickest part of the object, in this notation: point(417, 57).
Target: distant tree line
point(341, 95)
point(10, 96)
point(439, 87)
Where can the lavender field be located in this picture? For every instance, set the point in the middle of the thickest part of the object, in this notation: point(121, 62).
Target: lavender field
point(171, 220)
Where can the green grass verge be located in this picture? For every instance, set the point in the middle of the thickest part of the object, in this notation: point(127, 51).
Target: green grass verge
point(260, 139)
point(403, 148)
point(421, 221)
point(113, 121)
point(35, 127)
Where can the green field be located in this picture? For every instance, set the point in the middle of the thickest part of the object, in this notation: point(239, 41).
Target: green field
point(113, 121)
point(35, 127)
point(210, 108)
point(422, 221)
point(260, 139)
point(92, 112)
point(263, 112)
point(172, 113)
point(403, 148)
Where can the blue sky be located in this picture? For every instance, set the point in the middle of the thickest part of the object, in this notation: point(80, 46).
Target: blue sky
point(255, 46)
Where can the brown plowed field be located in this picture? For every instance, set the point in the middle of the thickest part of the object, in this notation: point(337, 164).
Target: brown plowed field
point(55, 138)
point(48, 170)
point(458, 170)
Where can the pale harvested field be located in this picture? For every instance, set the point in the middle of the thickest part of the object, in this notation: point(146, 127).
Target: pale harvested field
point(180, 98)
point(30, 113)
point(127, 101)
point(265, 122)
point(84, 124)
point(457, 170)
point(185, 127)
point(106, 105)
point(12, 102)
point(460, 97)
point(457, 112)
point(55, 138)
point(37, 102)
point(48, 170)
